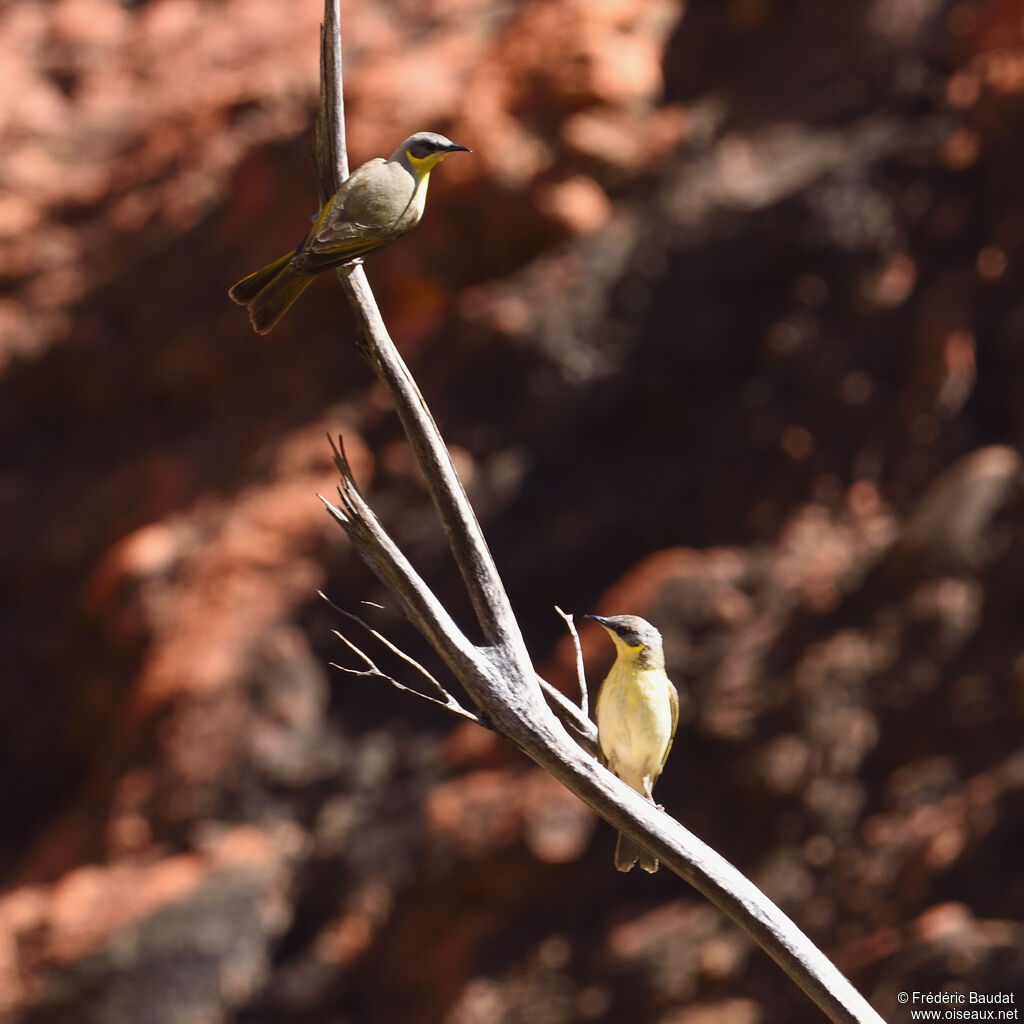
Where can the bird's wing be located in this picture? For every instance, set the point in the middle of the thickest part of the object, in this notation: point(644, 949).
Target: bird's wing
point(673, 700)
point(344, 210)
point(342, 250)
point(337, 236)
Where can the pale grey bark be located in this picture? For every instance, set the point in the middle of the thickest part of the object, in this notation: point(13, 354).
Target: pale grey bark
point(498, 674)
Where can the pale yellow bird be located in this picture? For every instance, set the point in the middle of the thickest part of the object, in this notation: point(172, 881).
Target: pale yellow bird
point(377, 203)
point(637, 713)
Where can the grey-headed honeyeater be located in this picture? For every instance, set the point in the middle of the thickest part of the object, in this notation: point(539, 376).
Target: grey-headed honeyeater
point(637, 713)
point(377, 203)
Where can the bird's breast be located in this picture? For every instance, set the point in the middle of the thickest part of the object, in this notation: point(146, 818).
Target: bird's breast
point(634, 719)
point(390, 199)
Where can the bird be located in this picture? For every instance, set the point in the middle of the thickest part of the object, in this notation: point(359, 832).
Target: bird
point(376, 204)
point(637, 713)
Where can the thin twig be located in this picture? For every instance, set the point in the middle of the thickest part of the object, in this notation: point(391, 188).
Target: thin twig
point(394, 649)
point(578, 725)
point(373, 672)
point(581, 675)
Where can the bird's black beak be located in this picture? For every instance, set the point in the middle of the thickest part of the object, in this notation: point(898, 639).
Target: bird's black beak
point(456, 148)
point(598, 618)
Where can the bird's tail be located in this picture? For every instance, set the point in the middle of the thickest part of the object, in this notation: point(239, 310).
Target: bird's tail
point(627, 853)
point(270, 291)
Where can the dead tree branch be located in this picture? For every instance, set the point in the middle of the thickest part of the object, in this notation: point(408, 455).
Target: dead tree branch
point(498, 674)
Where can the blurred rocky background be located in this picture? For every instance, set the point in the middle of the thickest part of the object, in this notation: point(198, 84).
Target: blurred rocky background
point(723, 321)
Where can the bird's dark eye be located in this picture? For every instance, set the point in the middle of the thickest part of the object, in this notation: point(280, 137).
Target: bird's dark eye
point(421, 149)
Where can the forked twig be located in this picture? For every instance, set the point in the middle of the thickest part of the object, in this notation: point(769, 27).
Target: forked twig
point(393, 569)
point(447, 700)
point(375, 673)
point(421, 607)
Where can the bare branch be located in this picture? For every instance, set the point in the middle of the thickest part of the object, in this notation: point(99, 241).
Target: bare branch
point(500, 677)
point(379, 551)
point(391, 566)
point(422, 608)
point(472, 556)
point(581, 675)
point(331, 150)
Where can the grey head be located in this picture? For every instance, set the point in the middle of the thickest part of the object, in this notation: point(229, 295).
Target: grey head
point(427, 145)
point(633, 631)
